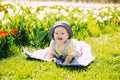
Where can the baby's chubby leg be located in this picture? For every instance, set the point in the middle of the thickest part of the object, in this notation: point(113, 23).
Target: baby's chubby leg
point(68, 59)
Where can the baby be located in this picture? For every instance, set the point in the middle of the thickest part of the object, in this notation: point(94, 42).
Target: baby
point(61, 46)
point(63, 49)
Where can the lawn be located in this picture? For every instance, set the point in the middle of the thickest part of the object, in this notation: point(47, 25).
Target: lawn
point(106, 66)
point(27, 25)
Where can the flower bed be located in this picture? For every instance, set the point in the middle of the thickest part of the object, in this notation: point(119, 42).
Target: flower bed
point(28, 24)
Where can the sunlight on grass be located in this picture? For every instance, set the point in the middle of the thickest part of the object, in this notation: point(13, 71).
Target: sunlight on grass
point(106, 48)
point(96, 24)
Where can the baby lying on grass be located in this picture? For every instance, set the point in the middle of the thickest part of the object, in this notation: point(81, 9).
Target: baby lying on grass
point(64, 50)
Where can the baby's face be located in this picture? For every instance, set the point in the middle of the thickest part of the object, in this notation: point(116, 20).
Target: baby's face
point(61, 34)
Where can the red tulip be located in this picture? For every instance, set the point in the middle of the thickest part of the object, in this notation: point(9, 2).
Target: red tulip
point(4, 9)
point(15, 31)
point(28, 29)
point(3, 34)
point(117, 21)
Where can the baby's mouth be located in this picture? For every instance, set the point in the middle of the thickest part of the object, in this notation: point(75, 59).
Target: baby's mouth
point(59, 38)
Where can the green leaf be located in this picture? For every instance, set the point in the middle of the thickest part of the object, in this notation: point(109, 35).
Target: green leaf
point(42, 35)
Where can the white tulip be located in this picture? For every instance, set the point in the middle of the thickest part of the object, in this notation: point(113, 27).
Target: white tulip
point(75, 15)
point(11, 12)
point(1, 15)
point(5, 21)
point(64, 13)
point(118, 9)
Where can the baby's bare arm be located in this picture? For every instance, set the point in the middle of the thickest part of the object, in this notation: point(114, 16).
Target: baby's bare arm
point(50, 56)
point(68, 59)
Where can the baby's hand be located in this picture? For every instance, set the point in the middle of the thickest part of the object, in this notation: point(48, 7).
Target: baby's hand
point(65, 62)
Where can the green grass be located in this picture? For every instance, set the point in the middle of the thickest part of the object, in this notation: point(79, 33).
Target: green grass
point(106, 66)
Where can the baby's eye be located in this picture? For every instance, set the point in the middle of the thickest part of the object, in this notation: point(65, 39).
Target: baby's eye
point(62, 33)
point(56, 33)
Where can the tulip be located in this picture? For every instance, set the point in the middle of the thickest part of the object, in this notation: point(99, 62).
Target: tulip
point(1, 15)
point(3, 34)
point(28, 29)
point(15, 31)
